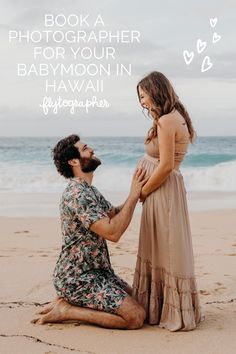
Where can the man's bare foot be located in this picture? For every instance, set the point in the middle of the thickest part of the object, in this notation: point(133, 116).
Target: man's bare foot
point(57, 314)
point(48, 307)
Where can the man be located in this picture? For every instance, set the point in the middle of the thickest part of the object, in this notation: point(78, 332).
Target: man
point(88, 289)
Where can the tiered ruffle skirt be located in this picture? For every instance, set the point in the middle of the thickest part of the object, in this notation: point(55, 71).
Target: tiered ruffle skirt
point(164, 280)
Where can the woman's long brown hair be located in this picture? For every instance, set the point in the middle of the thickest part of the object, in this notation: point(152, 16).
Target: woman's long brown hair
point(164, 98)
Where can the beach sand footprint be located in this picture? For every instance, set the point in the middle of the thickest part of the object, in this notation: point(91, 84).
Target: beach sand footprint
point(56, 326)
point(21, 232)
point(204, 292)
point(219, 288)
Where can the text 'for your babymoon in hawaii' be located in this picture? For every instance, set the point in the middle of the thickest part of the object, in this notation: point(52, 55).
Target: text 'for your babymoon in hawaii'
point(73, 54)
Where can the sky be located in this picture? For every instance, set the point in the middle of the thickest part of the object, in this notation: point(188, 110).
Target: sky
point(166, 30)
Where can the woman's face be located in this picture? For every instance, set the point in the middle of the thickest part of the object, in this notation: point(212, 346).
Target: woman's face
point(145, 99)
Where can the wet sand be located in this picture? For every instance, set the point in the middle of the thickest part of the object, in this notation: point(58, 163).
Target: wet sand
point(29, 250)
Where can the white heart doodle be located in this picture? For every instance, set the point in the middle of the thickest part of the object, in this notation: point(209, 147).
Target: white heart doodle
point(213, 21)
point(206, 64)
point(188, 56)
point(216, 38)
point(201, 46)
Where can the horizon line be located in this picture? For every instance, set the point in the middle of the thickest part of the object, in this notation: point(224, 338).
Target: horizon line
point(106, 136)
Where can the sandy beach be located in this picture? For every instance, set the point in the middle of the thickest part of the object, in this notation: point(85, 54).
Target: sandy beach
point(145, 84)
point(29, 250)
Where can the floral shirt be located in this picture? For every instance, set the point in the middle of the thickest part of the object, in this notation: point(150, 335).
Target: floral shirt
point(83, 274)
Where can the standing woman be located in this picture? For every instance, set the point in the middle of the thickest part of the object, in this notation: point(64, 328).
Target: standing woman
point(164, 281)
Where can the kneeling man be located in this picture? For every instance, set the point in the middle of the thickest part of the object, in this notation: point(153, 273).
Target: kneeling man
point(88, 289)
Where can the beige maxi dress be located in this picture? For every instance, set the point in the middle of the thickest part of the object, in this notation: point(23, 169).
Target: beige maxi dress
point(164, 281)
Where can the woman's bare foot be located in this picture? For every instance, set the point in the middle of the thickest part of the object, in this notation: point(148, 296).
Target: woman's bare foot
point(49, 307)
point(57, 314)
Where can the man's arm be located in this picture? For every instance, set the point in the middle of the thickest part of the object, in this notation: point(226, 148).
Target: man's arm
point(112, 229)
point(115, 210)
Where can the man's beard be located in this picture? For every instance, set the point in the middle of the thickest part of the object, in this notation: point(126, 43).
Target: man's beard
point(89, 164)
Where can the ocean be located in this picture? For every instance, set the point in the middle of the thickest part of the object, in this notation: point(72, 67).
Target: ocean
point(26, 165)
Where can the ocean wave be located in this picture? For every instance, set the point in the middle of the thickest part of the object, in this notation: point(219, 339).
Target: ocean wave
point(27, 178)
point(207, 159)
point(221, 177)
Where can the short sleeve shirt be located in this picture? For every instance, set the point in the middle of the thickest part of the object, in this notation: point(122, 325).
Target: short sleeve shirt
point(82, 250)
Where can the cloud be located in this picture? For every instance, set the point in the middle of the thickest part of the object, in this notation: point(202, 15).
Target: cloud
point(166, 30)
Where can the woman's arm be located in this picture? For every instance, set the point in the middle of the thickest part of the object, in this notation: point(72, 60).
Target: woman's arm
point(166, 140)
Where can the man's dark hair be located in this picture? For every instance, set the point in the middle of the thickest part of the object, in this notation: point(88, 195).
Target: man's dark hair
point(63, 152)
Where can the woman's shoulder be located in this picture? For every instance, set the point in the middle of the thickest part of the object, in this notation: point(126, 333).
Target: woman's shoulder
point(168, 116)
point(171, 119)
point(167, 121)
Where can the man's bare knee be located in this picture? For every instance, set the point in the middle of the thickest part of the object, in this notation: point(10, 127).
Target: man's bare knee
point(133, 313)
point(136, 320)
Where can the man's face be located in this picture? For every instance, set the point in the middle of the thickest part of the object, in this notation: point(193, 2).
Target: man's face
point(88, 161)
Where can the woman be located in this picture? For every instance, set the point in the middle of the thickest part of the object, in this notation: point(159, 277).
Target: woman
point(164, 281)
